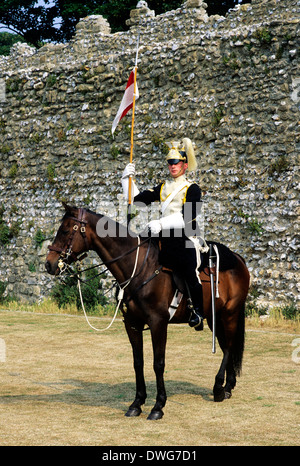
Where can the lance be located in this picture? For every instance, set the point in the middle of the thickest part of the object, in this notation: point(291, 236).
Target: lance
point(132, 132)
point(212, 265)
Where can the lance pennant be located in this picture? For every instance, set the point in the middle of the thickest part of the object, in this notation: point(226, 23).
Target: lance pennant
point(127, 101)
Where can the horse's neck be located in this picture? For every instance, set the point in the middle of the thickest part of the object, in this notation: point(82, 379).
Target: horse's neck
point(110, 240)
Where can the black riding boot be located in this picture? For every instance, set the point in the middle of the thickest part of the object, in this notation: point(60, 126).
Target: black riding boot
point(196, 318)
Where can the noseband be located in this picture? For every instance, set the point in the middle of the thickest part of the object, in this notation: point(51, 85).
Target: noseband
point(67, 252)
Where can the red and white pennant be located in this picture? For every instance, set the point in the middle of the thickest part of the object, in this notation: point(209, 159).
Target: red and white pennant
point(127, 101)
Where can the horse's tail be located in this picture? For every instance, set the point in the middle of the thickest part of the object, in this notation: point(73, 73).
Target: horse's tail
point(239, 342)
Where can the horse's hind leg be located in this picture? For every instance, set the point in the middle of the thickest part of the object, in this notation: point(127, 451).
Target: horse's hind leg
point(221, 392)
point(136, 340)
point(218, 390)
point(230, 379)
point(230, 334)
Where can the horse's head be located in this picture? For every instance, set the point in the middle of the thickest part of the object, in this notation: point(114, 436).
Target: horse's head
point(70, 241)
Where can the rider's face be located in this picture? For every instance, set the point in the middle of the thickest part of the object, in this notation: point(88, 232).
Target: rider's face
point(178, 169)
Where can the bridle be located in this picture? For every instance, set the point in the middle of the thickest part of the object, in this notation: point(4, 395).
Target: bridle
point(67, 252)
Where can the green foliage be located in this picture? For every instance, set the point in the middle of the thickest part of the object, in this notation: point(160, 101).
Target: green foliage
point(159, 143)
point(7, 233)
point(279, 166)
point(4, 233)
point(15, 228)
point(4, 229)
point(13, 171)
point(3, 286)
point(114, 151)
point(14, 209)
point(31, 267)
point(51, 173)
point(7, 40)
point(39, 237)
point(217, 116)
point(290, 311)
point(66, 292)
point(33, 21)
point(36, 138)
point(51, 80)
point(252, 308)
point(231, 61)
point(253, 225)
point(4, 149)
point(263, 35)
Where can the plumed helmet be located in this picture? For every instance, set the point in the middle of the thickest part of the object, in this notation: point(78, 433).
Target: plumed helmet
point(189, 150)
point(183, 151)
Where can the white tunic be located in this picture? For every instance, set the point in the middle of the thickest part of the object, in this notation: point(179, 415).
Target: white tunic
point(179, 185)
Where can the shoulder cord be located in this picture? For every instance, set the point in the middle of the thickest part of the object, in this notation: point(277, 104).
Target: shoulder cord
point(120, 294)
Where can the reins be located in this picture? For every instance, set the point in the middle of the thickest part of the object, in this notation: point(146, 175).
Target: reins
point(115, 259)
point(120, 294)
point(66, 252)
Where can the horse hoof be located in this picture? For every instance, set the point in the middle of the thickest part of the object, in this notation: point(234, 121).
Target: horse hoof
point(133, 412)
point(227, 395)
point(219, 397)
point(155, 415)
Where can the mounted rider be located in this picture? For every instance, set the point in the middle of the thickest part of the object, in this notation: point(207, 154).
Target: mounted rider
point(177, 227)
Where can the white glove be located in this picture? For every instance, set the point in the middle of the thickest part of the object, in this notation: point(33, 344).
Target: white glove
point(172, 221)
point(165, 223)
point(129, 170)
point(154, 226)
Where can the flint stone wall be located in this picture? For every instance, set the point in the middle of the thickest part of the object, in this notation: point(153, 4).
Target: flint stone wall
point(230, 83)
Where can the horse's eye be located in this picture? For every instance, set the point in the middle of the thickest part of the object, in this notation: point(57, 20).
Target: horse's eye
point(65, 232)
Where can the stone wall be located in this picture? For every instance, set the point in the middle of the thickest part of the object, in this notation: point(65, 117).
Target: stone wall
point(230, 83)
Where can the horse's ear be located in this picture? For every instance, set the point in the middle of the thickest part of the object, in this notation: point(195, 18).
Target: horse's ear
point(66, 206)
point(69, 209)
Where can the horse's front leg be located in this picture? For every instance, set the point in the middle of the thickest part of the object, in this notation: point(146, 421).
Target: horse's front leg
point(159, 340)
point(136, 340)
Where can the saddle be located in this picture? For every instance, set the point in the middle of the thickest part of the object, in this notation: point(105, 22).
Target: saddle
point(181, 285)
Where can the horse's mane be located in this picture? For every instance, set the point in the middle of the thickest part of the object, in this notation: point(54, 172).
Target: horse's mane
point(118, 228)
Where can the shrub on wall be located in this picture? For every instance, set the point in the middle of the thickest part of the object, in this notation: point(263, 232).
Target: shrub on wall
point(66, 292)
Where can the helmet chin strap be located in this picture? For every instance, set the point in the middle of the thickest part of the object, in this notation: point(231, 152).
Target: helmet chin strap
point(181, 172)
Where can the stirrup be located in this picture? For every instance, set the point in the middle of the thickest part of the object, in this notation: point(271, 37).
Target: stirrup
point(196, 325)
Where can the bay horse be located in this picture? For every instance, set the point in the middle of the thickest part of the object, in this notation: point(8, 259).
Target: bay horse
point(148, 294)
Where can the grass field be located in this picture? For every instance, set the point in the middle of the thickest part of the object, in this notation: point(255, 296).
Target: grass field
point(65, 384)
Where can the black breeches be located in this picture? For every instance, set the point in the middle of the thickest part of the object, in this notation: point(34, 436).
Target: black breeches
point(179, 254)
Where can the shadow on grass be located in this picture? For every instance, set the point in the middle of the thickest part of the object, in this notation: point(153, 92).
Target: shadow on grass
point(117, 396)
